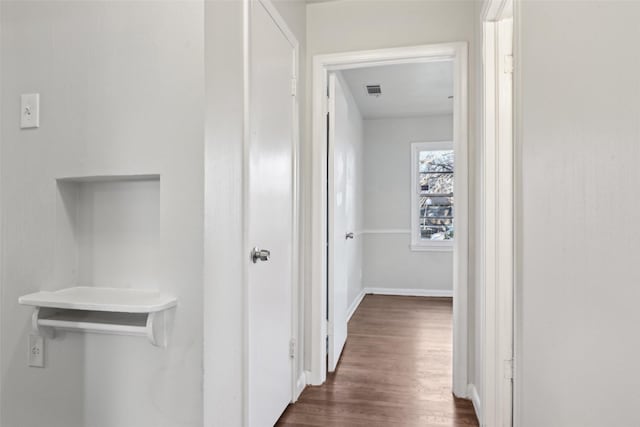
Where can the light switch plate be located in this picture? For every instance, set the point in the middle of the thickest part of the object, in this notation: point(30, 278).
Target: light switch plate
point(36, 351)
point(30, 111)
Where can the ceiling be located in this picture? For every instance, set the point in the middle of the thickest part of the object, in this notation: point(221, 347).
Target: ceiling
point(408, 90)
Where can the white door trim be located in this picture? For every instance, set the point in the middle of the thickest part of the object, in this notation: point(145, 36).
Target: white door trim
point(296, 296)
point(340, 61)
point(497, 217)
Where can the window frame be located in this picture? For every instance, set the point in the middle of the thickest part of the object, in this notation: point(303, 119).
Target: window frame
point(418, 244)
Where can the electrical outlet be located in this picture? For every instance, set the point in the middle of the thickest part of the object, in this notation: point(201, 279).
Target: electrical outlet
point(36, 351)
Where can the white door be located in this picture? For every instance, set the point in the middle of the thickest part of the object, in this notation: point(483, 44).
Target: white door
point(270, 219)
point(338, 218)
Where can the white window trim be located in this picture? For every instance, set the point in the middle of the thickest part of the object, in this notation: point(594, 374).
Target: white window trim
point(418, 244)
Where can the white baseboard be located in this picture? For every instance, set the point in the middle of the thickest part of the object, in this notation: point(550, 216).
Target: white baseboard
point(472, 392)
point(410, 292)
point(300, 385)
point(354, 305)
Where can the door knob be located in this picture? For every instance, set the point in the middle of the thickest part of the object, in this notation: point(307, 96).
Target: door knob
point(259, 255)
point(348, 236)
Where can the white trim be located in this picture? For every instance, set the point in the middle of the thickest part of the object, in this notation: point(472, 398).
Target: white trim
point(517, 215)
point(282, 25)
point(497, 218)
point(386, 231)
point(439, 293)
point(355, 304)
point(246, 143)
point(317, 310)
point(496, 10)
point(301, 383)
point(472, 392)
point(307, 375)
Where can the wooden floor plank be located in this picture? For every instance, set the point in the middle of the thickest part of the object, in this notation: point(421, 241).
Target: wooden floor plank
point(395, 370)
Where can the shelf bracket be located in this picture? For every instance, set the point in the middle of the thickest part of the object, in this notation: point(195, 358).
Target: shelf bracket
point(157, 328)
point(43, 331)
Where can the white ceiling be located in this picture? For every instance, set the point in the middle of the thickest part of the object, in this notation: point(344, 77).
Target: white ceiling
point(408, 90)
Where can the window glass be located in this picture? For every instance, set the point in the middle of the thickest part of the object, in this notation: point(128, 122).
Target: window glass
point(435, 195)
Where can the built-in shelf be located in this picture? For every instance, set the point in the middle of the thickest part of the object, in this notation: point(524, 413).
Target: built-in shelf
point(109, 178)
point(101, 310)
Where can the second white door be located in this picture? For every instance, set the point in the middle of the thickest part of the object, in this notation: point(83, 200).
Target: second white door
point(270, 219)
point(340, 227)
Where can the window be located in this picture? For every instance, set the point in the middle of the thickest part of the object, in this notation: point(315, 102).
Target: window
point(432, 207)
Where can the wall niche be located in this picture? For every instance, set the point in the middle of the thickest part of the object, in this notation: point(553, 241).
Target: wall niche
point(110, 226)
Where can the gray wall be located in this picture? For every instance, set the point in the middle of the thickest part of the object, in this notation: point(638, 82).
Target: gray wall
point(122, 91)
point(389, 261)
point(578, 290)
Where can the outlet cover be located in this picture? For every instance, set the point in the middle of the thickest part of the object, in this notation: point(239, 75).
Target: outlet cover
point(36, 351)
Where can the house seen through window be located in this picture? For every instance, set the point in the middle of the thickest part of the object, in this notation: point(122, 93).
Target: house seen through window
point(433, 204)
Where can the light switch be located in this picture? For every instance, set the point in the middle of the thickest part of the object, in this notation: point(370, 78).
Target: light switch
point(30, 111)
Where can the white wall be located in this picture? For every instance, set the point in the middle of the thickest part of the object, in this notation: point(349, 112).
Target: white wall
point(389, 261)
point(224, 255)
point(578, 290)
point(344, 26)
point(122, 91)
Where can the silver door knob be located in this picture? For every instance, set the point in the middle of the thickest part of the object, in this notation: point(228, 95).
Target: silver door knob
point(259, 255)
point(348, 236)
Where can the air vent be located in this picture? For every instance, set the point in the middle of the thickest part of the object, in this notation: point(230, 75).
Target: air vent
point(374, 90)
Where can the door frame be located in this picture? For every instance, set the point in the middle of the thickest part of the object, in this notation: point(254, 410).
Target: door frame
point(497, 216)
point(297, 381)
point(322, 64)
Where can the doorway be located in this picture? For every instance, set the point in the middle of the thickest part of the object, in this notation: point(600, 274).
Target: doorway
point(327, 320)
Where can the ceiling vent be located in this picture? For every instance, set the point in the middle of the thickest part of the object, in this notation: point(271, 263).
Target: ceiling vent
point(373, 90)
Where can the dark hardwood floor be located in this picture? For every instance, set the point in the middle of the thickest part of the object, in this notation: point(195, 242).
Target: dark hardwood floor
point(395, 370)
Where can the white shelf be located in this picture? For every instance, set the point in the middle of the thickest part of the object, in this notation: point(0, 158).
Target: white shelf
point(109, 178)
point(101, 299)
point(101, 310)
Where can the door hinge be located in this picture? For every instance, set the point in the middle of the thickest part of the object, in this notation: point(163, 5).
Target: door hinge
point(294, 87)
point(292, 348)
point(508, 64)
point(508, 369)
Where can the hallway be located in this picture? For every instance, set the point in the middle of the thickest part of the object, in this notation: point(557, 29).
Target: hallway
point(395, 370)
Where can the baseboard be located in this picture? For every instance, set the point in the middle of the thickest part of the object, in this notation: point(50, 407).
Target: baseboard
point(300, 384)
point(410, 292)
point(354, 305)
point(472, 392)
